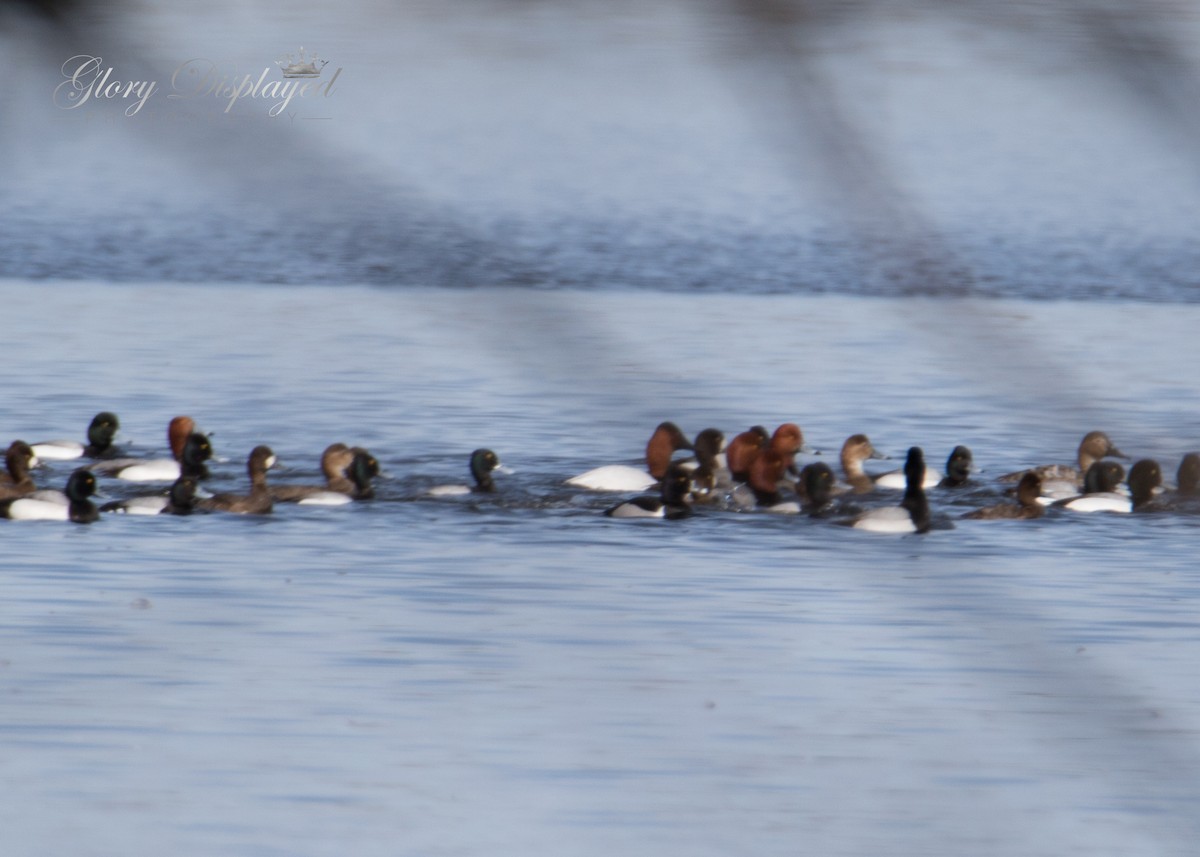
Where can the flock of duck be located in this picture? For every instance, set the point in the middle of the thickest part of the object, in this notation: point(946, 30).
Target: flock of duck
point(756, 470)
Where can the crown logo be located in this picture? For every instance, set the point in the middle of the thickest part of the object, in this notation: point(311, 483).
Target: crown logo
point(302, 66)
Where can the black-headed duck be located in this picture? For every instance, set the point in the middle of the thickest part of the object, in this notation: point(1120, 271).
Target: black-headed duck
point(672, 501)
point(81, 485)
point(180, 432)
point(482, 463)
point(912, 515)
point(100, 434)
point(1144, 477)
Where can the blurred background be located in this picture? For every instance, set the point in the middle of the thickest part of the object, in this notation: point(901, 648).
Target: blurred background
point(1021, 149)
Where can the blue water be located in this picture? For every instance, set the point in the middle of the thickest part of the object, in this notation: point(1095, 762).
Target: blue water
point(544, 229)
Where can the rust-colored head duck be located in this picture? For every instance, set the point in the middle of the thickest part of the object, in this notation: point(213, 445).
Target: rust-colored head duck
point(740, 451)
point(666, 440)
point(767, 469)
point(177, 434)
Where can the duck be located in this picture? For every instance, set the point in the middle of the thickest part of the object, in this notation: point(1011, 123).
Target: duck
point(196, 451)
point(100, 433)
point(482, 463)
point(258, 501)
point(742, 449)
point(855, 451)
point(912, 515)
point(1102, 481)
point(1187, 478)
point(1027, 507)
point(79, 508)
point(1144, 477)
point(181, 499)
point(180, 432)
point(348, 474)
point(1061, 481)
point(816, 486)
point(363, 468)
point(666, 440)
point(671, 503)
point(17, 461)
point(335, 460)
point(958, 469)
point(767, 469)
point(706, 472)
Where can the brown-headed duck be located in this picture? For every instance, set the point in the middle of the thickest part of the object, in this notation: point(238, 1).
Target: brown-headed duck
point(258, 501)
point(1061, 481)
point(17, 461)
point(768, 467)
point(1027, 506)
point(666, 440)
point(743, 449)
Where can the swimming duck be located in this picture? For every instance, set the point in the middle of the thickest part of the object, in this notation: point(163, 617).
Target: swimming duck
point(1101, 485)
point(258, 501)
point(79, 508)
point(672, 502)
point(353, 482)
point(767, 469)
point(666, 440)
point(1144, 477)
point(1061, 480)
point(855, 451)
point(1029, 489)
point(483, 462)
point(816, 485)
point(196, 451)
point(1187, 478)
point(100, 434)
point(17, 460)
point(743, 449)
point(958, 469)
point(335, 461)
point(180, 432)
point(912, 515)
point(708, 446)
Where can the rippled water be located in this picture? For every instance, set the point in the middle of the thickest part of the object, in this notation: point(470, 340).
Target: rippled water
point(521, 674)
point(545, 228)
